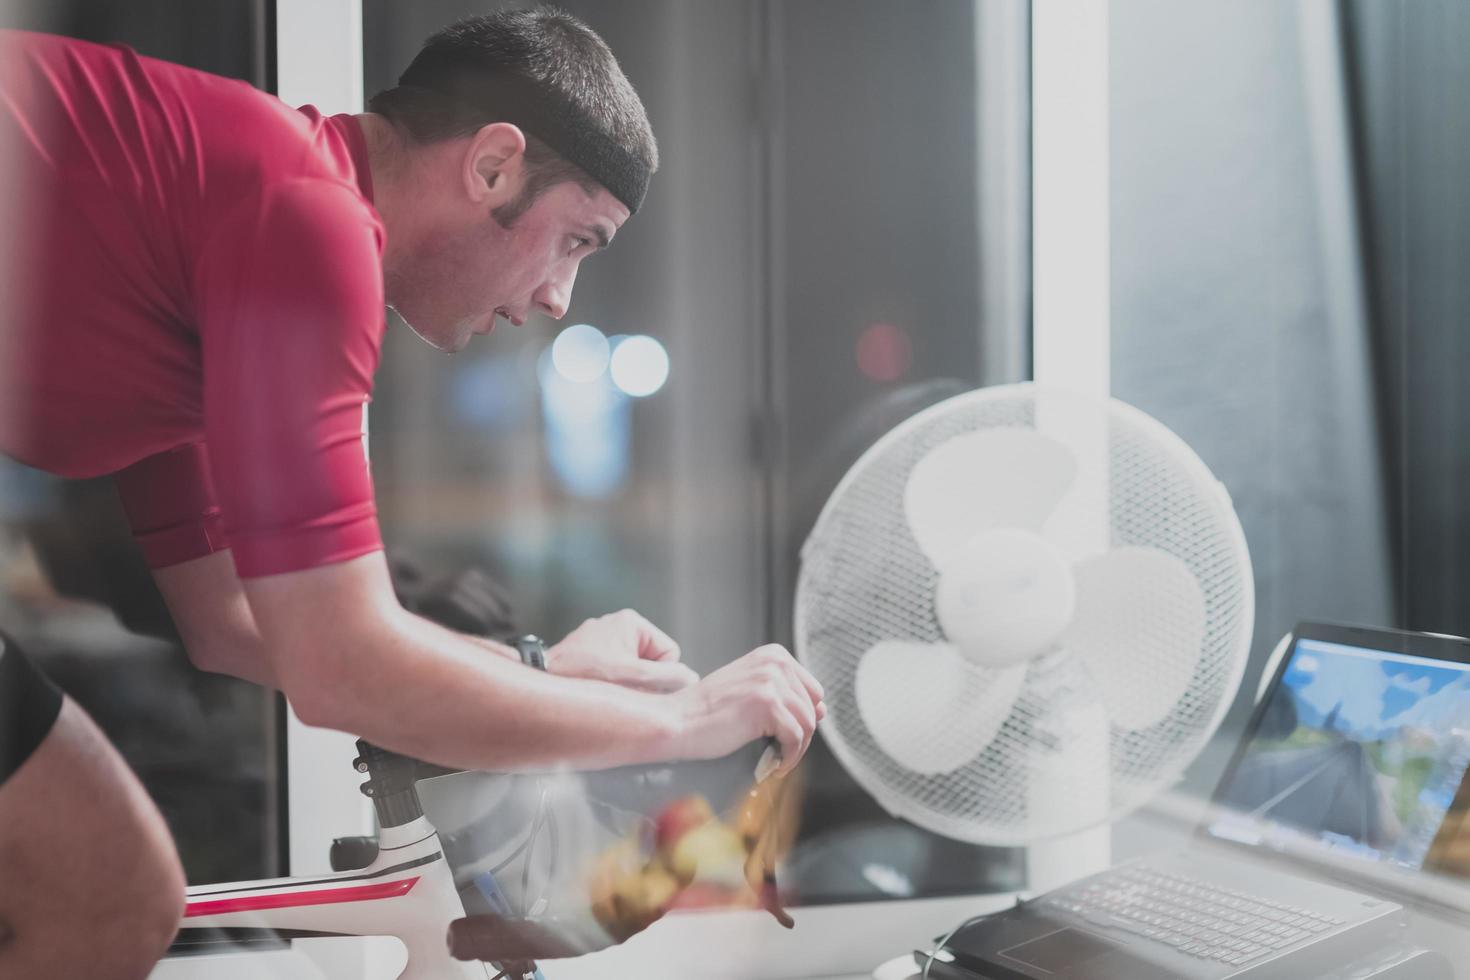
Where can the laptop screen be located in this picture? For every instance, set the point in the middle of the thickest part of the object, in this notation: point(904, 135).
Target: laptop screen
point(1358, 754)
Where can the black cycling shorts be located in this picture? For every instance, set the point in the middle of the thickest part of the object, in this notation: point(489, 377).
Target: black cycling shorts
point(29, 704)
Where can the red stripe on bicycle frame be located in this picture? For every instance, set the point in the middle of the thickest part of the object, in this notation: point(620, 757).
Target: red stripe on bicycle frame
point(286, 900)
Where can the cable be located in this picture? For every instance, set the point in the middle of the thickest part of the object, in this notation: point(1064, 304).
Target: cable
point(526, 873)
point(950, 935)
point(554, 838)
point(531, 852)
point(550, 827)
point(519, 850)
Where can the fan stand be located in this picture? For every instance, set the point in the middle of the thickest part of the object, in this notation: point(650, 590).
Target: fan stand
point(1082, 729)
point(1055, 862)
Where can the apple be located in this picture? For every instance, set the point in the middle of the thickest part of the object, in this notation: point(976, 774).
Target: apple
point(711, 852)
point(659, 890)
point(678, 818)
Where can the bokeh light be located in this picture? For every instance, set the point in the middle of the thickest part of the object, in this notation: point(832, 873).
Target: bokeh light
point(884, 352)
point(587, 430)
point(580, 353)
point(640, 365)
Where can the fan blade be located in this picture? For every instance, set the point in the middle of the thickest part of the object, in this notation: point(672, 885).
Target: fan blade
point(928, 708)
point(1005, 477)
point(1139, 628)
point(1004, 597)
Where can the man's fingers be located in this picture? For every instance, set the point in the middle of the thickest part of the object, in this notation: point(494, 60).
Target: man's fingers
point(805, 714)
point(660, 677)
point(790, 736)
point(655, 644)
point(812, 685)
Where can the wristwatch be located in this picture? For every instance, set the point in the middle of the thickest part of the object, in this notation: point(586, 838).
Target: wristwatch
point(533, 650)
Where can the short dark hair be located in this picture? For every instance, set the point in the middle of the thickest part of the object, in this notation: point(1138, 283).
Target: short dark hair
point(552, 57)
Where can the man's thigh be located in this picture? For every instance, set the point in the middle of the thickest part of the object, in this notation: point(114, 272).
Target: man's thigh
point(89, 869)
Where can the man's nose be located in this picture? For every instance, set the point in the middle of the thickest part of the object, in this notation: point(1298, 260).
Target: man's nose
point(555, 295)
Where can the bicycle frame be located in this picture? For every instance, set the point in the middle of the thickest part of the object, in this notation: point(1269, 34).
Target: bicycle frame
point(407, 891)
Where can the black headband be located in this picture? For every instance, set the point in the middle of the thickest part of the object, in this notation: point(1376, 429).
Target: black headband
point(509, 97)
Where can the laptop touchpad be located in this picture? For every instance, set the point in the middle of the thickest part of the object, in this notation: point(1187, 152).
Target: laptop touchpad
point(1066, 951)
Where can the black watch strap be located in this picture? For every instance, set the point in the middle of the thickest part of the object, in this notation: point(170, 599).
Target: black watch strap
point(533, 650)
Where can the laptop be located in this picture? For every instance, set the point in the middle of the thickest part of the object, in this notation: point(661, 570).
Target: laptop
point(1348, 786)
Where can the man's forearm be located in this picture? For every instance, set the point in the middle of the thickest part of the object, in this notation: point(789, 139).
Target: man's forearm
point(214, 620)
point(490, 646)
point(218, 630)
point(422, 690)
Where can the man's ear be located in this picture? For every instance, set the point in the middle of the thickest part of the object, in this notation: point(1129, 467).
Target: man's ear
point(494, 164)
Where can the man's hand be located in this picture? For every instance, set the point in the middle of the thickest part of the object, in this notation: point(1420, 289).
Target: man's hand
point(622, 648)
point(765, 693)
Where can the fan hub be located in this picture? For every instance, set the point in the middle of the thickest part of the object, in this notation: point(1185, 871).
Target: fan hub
point(1004, 597)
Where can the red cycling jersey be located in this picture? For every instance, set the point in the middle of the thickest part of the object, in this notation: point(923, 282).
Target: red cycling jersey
point(195, 305)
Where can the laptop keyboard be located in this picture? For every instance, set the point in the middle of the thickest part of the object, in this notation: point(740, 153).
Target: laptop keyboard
point(1193, 916)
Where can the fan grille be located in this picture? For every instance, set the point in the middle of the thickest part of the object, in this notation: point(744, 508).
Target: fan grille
point(864, 580)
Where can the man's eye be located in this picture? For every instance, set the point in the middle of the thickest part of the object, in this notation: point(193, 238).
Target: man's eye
point(578, 242)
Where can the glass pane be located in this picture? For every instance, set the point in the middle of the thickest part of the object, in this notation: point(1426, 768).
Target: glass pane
point(808, 259)
point(1231, 316)
point(1290, 229)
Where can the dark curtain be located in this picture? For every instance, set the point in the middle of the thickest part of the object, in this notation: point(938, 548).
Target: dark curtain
point(1408, 75)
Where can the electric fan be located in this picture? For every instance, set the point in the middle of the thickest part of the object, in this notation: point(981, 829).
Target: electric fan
point(1029, 609)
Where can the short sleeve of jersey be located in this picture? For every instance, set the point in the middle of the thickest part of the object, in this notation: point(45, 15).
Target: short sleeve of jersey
point(170, 502)
point(290, 317)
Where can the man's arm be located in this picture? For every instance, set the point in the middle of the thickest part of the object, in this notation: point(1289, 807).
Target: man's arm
point(213, 617)
point(349, 657)
point(210, 609)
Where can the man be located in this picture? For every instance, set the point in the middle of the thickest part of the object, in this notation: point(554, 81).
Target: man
point(197, 282)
